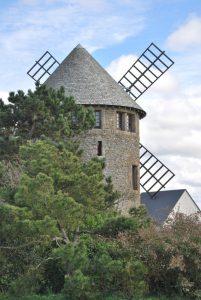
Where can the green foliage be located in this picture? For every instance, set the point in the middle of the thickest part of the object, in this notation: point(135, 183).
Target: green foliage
point(10, 172)
point(96, 268)
point(140, 216)
point(56, 200)
point(118, 224)
point(24, 242)
point(77, 286)
point(172, 256)
point(42, 113)
point(49, 197)
point(62, 297)
point(33, 297)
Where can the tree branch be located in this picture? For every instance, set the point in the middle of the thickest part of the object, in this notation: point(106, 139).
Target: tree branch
point(23, 245)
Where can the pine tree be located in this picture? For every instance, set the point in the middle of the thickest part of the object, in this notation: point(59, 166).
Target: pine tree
point(42, 113)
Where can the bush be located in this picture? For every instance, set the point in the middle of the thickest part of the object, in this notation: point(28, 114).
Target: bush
point(172, 256)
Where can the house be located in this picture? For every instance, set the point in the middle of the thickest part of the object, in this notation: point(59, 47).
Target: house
point(166, 204)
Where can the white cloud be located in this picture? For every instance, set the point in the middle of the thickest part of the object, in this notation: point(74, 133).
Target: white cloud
point(172, 130)
point(168, 85)
point(172, 125)
point(118, 67)
point(187, 36)
point(29, 28)
point(4, 96)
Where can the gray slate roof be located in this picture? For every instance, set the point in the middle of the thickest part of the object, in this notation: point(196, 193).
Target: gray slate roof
point(162, 204)
point(83, 77)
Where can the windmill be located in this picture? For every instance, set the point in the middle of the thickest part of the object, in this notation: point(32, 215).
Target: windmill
point(147, 69)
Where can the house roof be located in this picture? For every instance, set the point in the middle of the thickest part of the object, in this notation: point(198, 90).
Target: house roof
point(162, 204)
point(83, 77)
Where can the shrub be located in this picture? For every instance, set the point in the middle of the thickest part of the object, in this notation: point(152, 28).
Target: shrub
point(172, 255)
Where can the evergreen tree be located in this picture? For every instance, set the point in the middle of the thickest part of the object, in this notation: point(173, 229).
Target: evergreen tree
point(42, 113)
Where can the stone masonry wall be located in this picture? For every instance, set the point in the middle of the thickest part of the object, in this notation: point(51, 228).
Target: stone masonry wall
point(120, 148)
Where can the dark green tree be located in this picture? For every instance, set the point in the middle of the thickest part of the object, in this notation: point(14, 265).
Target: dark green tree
point(42, 113)
point(57, 200)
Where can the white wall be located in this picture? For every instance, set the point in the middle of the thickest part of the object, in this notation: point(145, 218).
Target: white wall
point(185, 205)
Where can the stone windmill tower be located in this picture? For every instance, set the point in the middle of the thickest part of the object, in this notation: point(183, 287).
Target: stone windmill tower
point(116, 134)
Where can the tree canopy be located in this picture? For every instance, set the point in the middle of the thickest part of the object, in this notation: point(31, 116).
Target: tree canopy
point(42, 113)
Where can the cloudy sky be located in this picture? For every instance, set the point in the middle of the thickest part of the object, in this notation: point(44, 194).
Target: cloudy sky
point(116, 32)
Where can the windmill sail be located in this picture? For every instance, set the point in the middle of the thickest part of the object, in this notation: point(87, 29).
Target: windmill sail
point(154, 175)
point(150, 66)
point(43, 67)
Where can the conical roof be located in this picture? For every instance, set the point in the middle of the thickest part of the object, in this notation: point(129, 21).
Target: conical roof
point(83, 77)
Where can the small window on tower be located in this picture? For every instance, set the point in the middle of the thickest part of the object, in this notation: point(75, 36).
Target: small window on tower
point(99, 148)
point(130, 122)
point(120, 120)
point(98, 118)
point(135, 177)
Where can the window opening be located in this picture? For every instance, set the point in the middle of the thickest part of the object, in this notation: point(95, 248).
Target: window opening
point(99, 148)
point(135, 177)
point(130, 124)
point(120, 120)
point(98, 119)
